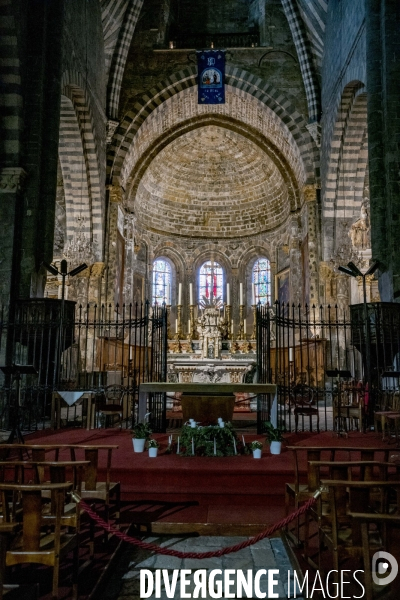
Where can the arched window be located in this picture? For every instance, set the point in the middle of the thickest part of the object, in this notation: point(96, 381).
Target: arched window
point(262, 281)
point(161, 282)
point(211, 281)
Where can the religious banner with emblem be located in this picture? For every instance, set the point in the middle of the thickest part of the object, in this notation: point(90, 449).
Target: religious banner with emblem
point(211, 73)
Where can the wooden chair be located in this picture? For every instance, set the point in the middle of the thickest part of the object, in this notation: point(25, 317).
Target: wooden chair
point(92, 488)
point(303, 487)
point(302, 397)
point(296, 492)
point(385, 524)
point(390, 407)
point(33, 544)
point(110, 403)
point(341, 470)
point(342, 536)
point(349, 407)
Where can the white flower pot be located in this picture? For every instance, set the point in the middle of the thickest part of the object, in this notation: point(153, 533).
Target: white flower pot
point(153, 452)
point(275, 447)
point(138, 444)
point(257, 453)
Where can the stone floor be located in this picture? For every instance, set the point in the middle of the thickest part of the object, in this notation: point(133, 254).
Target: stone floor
point(266, 554)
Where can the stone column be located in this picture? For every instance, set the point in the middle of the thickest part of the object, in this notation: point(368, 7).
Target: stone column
point(310, 196)
point(12, 180)
point(95, 283)
point(115, 198)
point(382, 19)
point(296, 287)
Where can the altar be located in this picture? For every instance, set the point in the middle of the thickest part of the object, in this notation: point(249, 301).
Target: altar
point(205, 394)
point(212, 356)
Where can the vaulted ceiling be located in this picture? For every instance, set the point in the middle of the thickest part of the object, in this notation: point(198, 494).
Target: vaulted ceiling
point(212, 182)
point(306, 18)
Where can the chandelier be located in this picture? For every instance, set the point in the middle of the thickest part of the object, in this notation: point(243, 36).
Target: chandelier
point(80, 248)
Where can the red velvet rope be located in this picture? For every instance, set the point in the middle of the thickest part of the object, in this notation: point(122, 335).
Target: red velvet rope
point(200, 555)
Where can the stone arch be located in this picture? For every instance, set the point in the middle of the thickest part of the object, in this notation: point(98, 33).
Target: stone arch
point(120, 53)
point(268, 106)
point(348, 162)
point(76, 131)
point(303, 48)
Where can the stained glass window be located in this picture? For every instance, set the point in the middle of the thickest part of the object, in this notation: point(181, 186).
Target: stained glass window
point(211, 279)
point(262, 281)
point(161, 282)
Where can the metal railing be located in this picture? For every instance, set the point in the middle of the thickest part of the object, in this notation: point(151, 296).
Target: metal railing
point(316, 355)
point(90, 348)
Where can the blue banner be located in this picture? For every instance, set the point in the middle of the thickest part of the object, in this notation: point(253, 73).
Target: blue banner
point(211, 70)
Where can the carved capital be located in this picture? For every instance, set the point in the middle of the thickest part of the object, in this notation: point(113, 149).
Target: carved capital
point(110, 130)
point(116, 193)
point(97, 269)
point(310, 193)
point(12, 180)
point(314, 130)
point(325, 271)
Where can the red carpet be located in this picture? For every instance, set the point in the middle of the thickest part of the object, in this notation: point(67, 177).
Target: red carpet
point(172, 488)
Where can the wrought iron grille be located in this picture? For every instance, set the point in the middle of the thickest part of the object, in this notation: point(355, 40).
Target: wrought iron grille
point(316, 356)
point(82, 349)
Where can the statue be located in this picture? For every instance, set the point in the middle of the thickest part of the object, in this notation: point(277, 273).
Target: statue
point(211, 326)
point(359, 231)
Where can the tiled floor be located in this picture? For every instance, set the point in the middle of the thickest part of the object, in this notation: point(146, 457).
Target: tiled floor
point(263, 555)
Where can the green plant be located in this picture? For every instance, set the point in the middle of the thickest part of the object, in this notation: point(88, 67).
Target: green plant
point(141, 431)
point(256, 445)
point(152, 443)
point(273, 434)
point(226, 442)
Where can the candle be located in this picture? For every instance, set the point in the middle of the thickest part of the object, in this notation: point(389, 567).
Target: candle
point(193, 446)
point(244, 327)
point(234, 445)
point(241, 294)
point(228, 294)
point(191, 293)
point(188, 325)
point(180, 294)
point(215, 447)
point(168, 299)
point(232, 326)
point(290, 354)
point(253, 294)
point(176, 325)
point(177, 450)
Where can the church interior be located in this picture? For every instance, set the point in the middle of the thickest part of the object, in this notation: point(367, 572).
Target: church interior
point(199, 206)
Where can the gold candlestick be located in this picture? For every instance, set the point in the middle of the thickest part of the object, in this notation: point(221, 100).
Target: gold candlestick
point(241, 321)
point(179, 319)
point(229, 322)
point(193, 330)
point(254, 335)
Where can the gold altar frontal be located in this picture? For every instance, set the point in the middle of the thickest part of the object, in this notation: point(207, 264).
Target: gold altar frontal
point(207, 408)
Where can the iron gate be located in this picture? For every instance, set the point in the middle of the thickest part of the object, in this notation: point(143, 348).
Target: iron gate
point(81, 349)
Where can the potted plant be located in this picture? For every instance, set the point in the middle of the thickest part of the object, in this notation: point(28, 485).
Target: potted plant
point(140, 433)
point(256, 448)
point(152, 446)
point(274, 437)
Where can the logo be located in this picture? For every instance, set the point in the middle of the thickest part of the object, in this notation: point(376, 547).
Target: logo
point(384, 568)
